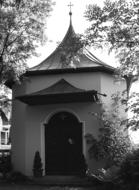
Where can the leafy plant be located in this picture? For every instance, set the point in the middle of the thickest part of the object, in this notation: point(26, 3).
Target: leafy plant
point(129, 172)
point(17, 177)
point(5, 100)
point(113, 143)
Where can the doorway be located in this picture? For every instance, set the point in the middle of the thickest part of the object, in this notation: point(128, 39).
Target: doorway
point(63, 145)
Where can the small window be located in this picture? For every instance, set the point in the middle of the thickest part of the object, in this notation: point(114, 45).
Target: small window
point(3, 138)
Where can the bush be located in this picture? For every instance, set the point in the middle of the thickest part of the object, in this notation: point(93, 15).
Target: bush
point(37, 165)
point(113, 143)
point(5, 165)
point(130, 168)
point(16, 177)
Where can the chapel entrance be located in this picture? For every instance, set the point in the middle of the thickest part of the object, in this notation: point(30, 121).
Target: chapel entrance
point(63, 145)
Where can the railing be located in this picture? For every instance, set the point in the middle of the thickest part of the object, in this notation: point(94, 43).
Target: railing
point(4, 153)
point(5, 147)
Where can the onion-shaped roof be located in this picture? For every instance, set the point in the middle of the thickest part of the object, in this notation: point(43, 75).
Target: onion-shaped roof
point(86, 58)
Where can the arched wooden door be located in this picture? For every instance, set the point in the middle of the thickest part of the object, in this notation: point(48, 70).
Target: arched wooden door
point(63, 145)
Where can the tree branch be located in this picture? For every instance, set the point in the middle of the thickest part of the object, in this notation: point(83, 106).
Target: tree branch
point(4, 45)
point(10, 43)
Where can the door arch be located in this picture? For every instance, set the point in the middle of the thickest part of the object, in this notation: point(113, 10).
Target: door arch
point(63, 145)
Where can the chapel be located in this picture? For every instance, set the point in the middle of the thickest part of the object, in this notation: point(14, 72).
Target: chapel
point(52, 109)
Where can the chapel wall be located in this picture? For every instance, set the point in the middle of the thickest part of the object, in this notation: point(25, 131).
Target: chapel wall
point(18, 135)
point(109, 86)
point(87, 81)
point(38, 115)
point(28, 121)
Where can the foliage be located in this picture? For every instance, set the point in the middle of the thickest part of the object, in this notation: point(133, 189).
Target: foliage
point(5, 165)
point(130, 168)
point(133, 108)
point(71, 50)
point(113, 143)
point(5, 101)
point(37, 165)
point(22, 26)
point(129, 172)
point(5, 106)
point(17, 177)
point(116, 25)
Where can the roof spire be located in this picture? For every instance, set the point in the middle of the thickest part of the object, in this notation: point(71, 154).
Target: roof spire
point(70, 13)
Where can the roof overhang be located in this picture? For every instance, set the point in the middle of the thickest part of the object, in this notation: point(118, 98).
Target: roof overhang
point(109, 70)
point(60, 92)
point(88, 96)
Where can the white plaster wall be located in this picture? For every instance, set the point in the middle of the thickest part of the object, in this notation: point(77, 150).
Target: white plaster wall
point(38, 115)
point(87, 81)
point(18, 136)
point(109, 87)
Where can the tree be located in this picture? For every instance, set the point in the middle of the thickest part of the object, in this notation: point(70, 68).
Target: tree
point(113, 144)
point(116, 25)
point(5, 99)
point(22, 25)
point(5, 103)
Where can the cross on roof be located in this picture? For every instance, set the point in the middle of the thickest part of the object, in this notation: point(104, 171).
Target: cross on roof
point(70, 5)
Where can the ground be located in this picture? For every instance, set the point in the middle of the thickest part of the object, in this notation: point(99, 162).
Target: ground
point(37, 187)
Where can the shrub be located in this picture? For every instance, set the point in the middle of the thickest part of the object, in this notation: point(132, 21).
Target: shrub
point(129, 172)
point(37, 165)
point(16, 177)
point(5, 165)
point(113, 142)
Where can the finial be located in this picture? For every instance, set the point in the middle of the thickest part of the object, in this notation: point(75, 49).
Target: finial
point(70, 13)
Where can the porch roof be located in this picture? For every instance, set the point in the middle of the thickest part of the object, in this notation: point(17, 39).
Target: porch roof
point(60, 92)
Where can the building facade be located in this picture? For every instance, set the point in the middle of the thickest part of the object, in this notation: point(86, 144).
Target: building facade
point(52, 111)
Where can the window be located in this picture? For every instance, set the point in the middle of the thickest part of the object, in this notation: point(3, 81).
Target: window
point(3, 138)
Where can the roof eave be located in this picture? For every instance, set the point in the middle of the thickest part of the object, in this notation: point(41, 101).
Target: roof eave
point(87, 96)
point(104, 69)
